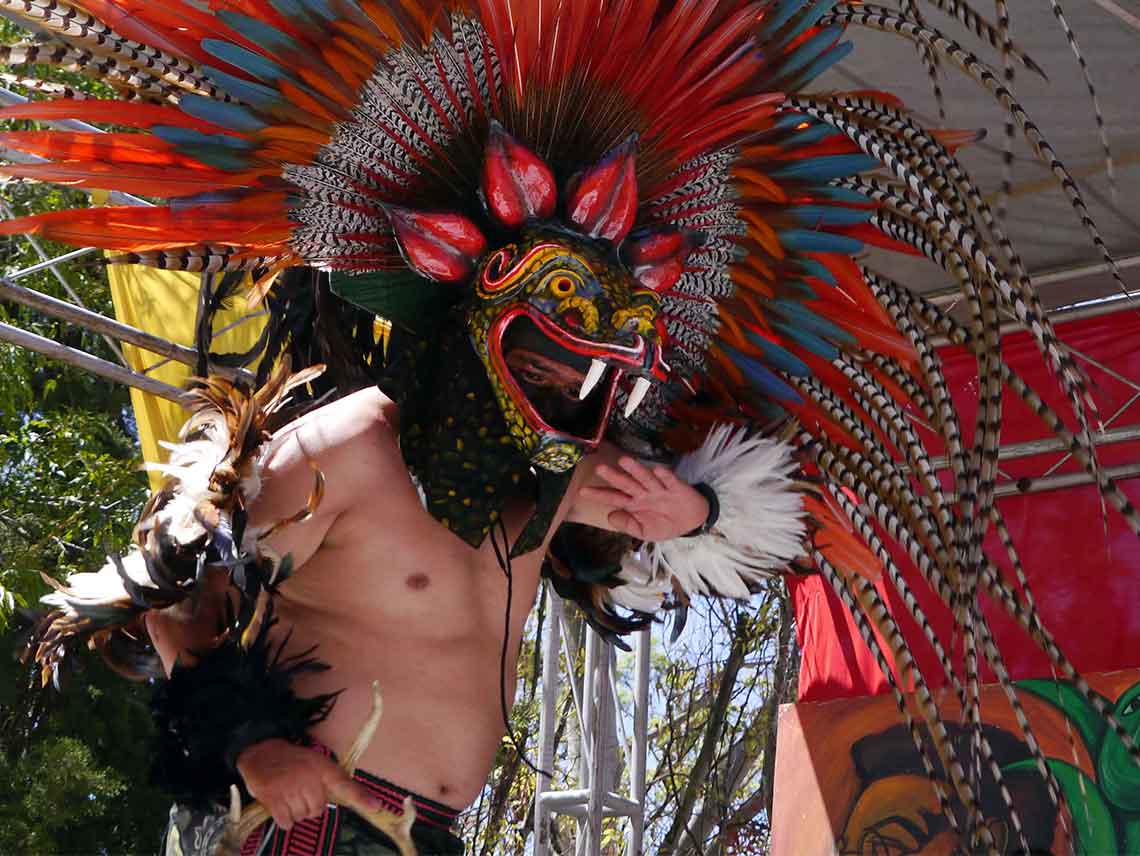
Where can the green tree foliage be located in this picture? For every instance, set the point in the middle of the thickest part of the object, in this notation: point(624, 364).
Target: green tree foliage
point(74, 765)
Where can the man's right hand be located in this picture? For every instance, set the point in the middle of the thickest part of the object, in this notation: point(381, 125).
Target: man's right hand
point(294, 783)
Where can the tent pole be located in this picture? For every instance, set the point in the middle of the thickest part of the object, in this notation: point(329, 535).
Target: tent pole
point(97, 323)
point(87, 362)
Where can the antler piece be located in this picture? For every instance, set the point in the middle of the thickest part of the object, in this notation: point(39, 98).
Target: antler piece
point(398, 827)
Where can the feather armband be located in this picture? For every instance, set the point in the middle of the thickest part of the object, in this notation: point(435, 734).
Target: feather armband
point(236, 695)
point(757, 527)
point(196, 521)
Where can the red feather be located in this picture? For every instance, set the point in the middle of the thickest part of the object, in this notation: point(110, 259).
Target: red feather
point(137, 229)
point(110, 112)
point(162, 181)
point(173, 26)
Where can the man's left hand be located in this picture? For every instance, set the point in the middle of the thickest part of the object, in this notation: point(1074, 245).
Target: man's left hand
point(649, 504)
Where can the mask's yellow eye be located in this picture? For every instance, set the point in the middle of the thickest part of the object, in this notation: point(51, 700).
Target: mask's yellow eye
point(562, 287)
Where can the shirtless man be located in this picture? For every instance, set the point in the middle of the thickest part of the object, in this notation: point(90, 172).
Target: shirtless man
point(387, 594)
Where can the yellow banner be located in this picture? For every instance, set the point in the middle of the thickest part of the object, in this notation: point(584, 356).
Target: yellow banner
point(165, 304)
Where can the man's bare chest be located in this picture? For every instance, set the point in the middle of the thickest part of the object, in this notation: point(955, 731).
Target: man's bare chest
point(389, 563)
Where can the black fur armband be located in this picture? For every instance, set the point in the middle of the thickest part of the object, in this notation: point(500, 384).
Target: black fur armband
point(207, 714)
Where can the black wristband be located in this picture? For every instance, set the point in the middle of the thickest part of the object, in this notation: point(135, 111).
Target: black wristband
point(714, 510)
point(249, 733)
point(206, 715)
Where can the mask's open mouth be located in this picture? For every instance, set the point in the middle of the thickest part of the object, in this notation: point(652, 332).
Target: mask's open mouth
point(552, 379)
point(563, 384)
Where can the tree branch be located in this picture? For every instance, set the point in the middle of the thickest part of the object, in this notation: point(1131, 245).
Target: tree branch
point(741, 643)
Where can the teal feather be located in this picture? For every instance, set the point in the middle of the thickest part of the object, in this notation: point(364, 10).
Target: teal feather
point(265, 36)
point(766, 409)
point(255, 65)
point(807, 340)
point(225, 114)
point(220, 151)
point(187, 138)
point(781, 15)
point(813, 134)
point(812, 268)
point(828, 215)
point(255, 94)
point(761, 378)
point(777, 357)
point(788, 121)
point(807, 20)
point(819, 66)
point(826, 168)
point(809, 241)
point(808, 52)
point(800, 315)
point(314, 11)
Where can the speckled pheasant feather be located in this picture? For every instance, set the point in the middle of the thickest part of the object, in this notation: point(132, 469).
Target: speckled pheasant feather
point(393, 142)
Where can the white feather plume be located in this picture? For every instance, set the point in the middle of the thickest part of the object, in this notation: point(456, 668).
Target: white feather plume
point(191, 467)
point(760, 528)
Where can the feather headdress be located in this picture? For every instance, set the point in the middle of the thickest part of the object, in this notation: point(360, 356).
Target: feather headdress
point(401, 144)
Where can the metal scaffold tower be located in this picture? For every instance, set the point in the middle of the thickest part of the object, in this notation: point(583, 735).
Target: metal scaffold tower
point(604, 740)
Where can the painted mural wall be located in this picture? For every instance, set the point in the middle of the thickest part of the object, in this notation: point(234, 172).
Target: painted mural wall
point(851, 781)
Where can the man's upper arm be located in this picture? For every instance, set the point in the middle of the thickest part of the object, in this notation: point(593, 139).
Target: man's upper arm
point(338, 442)
point(192, 625)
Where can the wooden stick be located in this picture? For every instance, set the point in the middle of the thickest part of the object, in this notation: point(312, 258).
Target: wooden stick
point(87, 362)
point(108, 327)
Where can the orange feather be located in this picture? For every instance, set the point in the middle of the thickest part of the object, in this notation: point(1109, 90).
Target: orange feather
point(136, 229)
point(119, 148)
point(756, 185)
point(762, 233)
point(837, 541)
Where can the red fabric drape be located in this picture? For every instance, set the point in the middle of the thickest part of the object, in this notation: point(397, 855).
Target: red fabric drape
point(1084, 573)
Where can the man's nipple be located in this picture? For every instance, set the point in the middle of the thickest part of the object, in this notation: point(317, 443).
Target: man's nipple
point(418, 582)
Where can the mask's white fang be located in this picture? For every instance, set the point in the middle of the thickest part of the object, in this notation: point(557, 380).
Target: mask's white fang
point(640, 390)
point(597, 370)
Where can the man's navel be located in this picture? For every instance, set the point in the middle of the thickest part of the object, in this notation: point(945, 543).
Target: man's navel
point(418, 582)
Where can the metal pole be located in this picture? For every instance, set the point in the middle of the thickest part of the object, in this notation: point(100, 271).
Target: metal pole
point(637, 773)
point(1012, 451)
point(575, 803)
point(89, 363)
point(1066, 480)
point(63, 282)
point(951, 295)
point(588, 736)
point(1065, 315)
point(547, 724)
point(47, 263)
point(106, 326)
point(601, 701)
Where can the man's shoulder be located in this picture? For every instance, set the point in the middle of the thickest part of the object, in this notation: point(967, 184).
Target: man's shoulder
point(363, 408)
point(355, 424)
